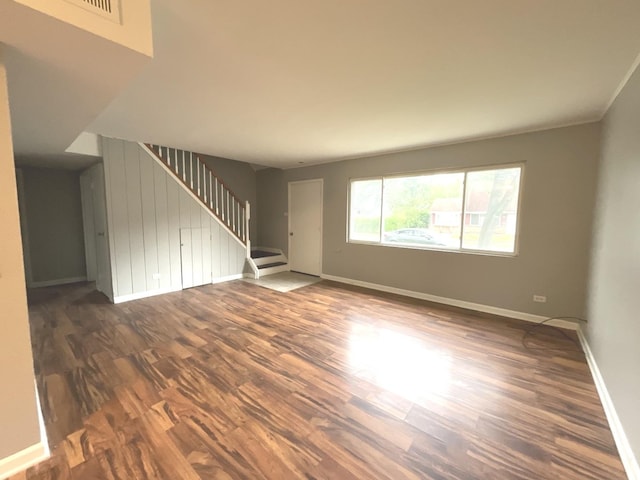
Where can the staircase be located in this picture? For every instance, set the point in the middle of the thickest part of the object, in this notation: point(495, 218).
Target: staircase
point(224, 205)
point(267, 261)
point(208, 188)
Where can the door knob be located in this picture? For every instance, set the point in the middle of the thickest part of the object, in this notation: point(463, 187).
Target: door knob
point(291, 234)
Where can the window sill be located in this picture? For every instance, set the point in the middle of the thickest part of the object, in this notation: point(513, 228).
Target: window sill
point(484, 253)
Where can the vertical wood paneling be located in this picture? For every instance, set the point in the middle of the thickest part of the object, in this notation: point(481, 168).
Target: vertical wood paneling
point(162, 225)
point(149, 223)
point(134, 202)
point(173, 210)
point(241, 255)
point(206, 246)
point(196, 214)
point(147, 212)
point(185, 209)
point(196, 255)
point(224, 255)
point(215, 250)
point(106, 179)
point(86, 194)
point(121, 259)
point(185, 223)
point(104, 277)
point(233, 259)
point(186, 256)
point(196, 242)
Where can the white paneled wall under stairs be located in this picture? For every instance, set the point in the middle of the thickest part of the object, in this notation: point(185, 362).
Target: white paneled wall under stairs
point(222, 203)
point(214, 194)
point(162, 237)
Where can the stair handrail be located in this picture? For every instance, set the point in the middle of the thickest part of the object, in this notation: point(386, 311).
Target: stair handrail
point(236, 222)
point(220, 180)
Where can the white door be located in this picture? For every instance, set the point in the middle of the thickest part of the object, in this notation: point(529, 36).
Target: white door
point(103, 263)
point(305, 226)
point(195, 247)
point(88, 223)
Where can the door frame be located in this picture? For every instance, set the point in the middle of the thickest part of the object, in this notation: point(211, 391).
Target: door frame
point(297, 182)
point(24, 227)
point(99, 192)
point(205, 234)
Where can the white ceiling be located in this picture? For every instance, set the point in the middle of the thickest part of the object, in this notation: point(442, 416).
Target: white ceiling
point(281, 82)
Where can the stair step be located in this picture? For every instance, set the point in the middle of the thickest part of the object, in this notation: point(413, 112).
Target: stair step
point(262, 254)
point(269, 265)
point(268, 260)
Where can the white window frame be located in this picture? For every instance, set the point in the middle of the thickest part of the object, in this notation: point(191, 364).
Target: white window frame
point(460, 249)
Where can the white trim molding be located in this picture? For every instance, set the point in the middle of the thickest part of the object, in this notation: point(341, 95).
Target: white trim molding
point(141, 295)
point(23, 459)
point(60, 281)
point(625, 451)
point(162, 291)
point(478, 307)
point(228, 278)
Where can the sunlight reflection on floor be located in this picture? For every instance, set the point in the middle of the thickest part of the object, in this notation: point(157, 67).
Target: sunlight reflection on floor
point(398, 363)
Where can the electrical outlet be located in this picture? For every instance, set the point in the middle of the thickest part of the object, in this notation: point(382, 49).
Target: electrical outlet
point(540, 298)
point(156, 276)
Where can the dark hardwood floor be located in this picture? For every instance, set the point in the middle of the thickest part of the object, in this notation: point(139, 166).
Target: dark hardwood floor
point(326, 382)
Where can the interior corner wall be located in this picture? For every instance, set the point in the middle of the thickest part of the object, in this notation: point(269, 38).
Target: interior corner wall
point(558, 194)
point(240, 177)
point(613, 330)
point(146, 210)
point(18, 410)
point(53, 210)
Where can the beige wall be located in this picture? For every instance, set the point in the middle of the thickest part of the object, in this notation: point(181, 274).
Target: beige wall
point(555, 231)
point(18, 414)
point(241, 178)
point(614, 319)
point(53, 211)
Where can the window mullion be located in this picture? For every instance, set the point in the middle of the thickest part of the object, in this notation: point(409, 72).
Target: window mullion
point(463, 210)
point(381, 209)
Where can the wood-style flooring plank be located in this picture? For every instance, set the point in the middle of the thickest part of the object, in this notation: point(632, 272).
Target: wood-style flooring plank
point(235, 381)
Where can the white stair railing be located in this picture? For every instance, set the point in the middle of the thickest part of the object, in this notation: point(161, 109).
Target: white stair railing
point(214, 194)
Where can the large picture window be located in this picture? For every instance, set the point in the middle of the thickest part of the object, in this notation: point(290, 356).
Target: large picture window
point(471, 210)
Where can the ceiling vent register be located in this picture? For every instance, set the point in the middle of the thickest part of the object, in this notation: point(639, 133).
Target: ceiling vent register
point(109, 9)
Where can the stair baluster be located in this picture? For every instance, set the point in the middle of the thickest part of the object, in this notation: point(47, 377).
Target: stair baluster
point(189, 168)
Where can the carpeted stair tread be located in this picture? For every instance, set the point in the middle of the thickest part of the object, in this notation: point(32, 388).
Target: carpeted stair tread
point(268, 265)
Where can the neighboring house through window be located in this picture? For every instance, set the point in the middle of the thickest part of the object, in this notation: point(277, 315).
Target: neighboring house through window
point(470, 210)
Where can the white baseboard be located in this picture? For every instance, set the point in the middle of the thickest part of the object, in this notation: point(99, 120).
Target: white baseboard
point(141, 295)
point(153, 293)
point(503, 312)
point(23, 459)
point(28, 457)
point(629, 460)
point(60, 281)
point(228, 278)
point(44, 439)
